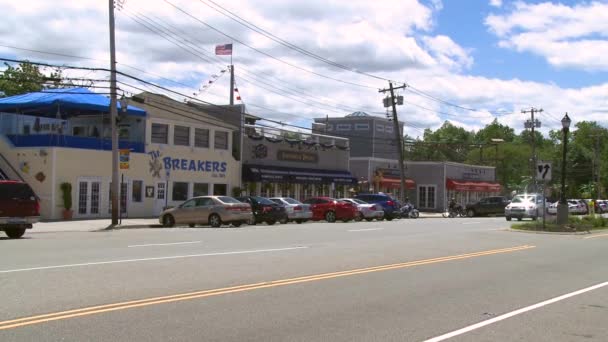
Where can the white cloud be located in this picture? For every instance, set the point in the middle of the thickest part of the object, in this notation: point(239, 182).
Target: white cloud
point(496, 3)
point(566, 36)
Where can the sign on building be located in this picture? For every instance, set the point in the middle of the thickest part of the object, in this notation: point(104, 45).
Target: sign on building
point(124, 155)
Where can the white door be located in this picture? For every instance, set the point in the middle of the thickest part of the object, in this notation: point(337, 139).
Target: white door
point(88, 195)
point(160, 197)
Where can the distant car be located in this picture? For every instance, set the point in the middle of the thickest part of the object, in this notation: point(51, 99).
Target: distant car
point(573, 208)
point(582, 207)
point(296, 210)
point(487, 206)
point(211, 210)
point(19, 208)
point(330, 209)
point(390, 206)
point(265, 210)
point(525, 206)
point(367, 211)
point(602, 206)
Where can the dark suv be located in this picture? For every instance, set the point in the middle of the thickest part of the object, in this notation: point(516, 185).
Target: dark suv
point(488, 206)
point(19, 208)
point(265, 210)
point(389, 205)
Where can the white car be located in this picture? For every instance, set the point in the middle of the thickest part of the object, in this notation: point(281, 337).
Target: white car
point(367, 211)
point(573, 208)
point(525, 206)
point(296, 210)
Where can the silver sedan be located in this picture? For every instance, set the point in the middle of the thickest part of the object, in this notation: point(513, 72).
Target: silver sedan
point(368, 211)
point(296, 210)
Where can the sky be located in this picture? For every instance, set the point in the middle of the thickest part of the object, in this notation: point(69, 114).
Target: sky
point(468, 62)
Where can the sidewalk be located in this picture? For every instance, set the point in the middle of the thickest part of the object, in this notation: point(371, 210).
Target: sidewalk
point(90, 225)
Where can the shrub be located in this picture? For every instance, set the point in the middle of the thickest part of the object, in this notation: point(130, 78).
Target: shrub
point(66, 195)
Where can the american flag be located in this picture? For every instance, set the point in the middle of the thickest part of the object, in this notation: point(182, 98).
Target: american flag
point(223, 50)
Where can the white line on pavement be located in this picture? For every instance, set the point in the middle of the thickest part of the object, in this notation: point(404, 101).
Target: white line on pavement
point(364, 230)
point(514, 313)
point(166, 244)
point(152, 259)
point(476, 222)
point(595, 236)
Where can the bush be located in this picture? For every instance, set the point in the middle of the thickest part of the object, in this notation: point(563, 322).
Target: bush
point(66, 195)
point(584, 223)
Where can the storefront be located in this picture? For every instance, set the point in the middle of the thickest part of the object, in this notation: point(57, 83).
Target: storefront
point(302, 166)
point(169, 152)
point(380, 175)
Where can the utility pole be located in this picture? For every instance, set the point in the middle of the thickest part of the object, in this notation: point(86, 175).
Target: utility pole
point(532, 124)
point(393, 102)
point(597, 165)
point(231, 82)
point(114, 191)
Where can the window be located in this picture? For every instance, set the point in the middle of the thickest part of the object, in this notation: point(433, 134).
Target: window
point(200, 189)
point(180, 191)
point(219, 189)
point(426, 196)
point(181, 136)
point(188, 204)
point(201, 137)
point(160, 133)
point(202, 202)
point(82, 198)
point(226, 199)
point(221, 140)
point(380, 128)
point(160, 191)
point(343, 127)
point(361, 127)
point(389, 129)
point(136, 190)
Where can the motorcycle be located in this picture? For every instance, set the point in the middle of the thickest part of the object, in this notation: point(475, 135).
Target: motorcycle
point(457, 211)
point(409, 211)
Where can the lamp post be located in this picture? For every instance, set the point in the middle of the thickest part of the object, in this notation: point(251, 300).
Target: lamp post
point(562, 207)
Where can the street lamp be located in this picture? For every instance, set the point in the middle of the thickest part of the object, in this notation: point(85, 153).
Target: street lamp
point(562, 207)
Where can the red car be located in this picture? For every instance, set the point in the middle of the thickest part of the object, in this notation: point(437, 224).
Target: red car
point(19, 208)
point(330, 209)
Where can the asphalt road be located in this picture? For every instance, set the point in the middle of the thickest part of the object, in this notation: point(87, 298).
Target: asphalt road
point(406, 280)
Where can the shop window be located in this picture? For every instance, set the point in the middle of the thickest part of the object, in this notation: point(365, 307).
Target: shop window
point(201, 137)
point(160, 191)
point(82, 197)
point(180, 191)
point(361, 127)
point(221, 140)
point(426, 196)
point(181, 136)
point(220, 189)
point(200, 189)
point(388, 129)
point(137, 188)
point(343, 127)
point(160, 133)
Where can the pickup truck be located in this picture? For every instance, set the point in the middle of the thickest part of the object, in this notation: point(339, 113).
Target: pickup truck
point(19, 208)
point(488, 206)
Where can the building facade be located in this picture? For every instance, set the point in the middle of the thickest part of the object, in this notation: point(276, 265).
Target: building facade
point(169, 152)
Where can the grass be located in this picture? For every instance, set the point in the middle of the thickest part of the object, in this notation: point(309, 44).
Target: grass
point(575, 224)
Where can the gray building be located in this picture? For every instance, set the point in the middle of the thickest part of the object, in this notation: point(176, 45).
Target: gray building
point(370, 136)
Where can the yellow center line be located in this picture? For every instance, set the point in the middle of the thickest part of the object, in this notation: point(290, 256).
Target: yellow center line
point(20, 322)
point(595, 236)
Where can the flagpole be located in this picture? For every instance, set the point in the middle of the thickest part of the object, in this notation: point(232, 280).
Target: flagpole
point(231, 77)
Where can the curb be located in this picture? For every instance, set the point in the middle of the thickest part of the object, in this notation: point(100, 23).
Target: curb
point(548, 233)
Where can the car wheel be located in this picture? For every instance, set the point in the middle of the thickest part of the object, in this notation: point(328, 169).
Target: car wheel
point(359, 217)
point(508, 218)
point(215, 221)
point(15, 232)
point(389, 218)
point(371, 219)
point(345, 220)
point(470, 213)
point(299, 221)
point(284, 220)
point(519, 219)
point(271, 222)
point(191, 225)
point(168, 221)
point(330, 217)
point(236, 224)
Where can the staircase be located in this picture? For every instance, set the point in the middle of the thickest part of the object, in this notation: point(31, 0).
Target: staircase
point(7, 171)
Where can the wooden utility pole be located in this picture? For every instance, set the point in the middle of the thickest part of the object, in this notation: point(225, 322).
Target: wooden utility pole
point(115, 188)
point(532, 124)
point(393, 102)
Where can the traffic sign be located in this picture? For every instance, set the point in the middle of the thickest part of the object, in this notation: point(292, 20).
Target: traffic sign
point(543, 171)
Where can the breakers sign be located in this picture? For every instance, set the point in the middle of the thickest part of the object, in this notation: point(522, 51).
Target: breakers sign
point(158, 162)
point(297, 156)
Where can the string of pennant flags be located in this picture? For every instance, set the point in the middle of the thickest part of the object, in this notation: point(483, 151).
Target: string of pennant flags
point(206, 85)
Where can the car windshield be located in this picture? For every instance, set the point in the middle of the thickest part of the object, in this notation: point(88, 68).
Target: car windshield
point(263, 200)
point(291, 201)
point(226, 199)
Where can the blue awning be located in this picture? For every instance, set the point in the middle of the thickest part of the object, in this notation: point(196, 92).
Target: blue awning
point(66, 98)
point(278, 174)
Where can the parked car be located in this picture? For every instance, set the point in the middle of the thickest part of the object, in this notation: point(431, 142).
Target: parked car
point(389, 205)
point(581, 206)
point(296, 210)
point(487, 206)
point(211, 210)
point(265, 210)
point(367, 211)
point(330, 209)
point(573, 208)
point(602, 206)
point(525, 206)
point(19, 208)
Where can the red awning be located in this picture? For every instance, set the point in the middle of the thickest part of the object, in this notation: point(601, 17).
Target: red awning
point(395, 183)
point(474, 186)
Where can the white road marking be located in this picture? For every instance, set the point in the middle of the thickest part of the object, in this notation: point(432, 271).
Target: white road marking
point(514, 313)
point(476, 222)
point(595, 236)
point(364, 230)
point(152, 259)
point(166, 244)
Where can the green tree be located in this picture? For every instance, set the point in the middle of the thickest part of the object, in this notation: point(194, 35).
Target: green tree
point(26, 78)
